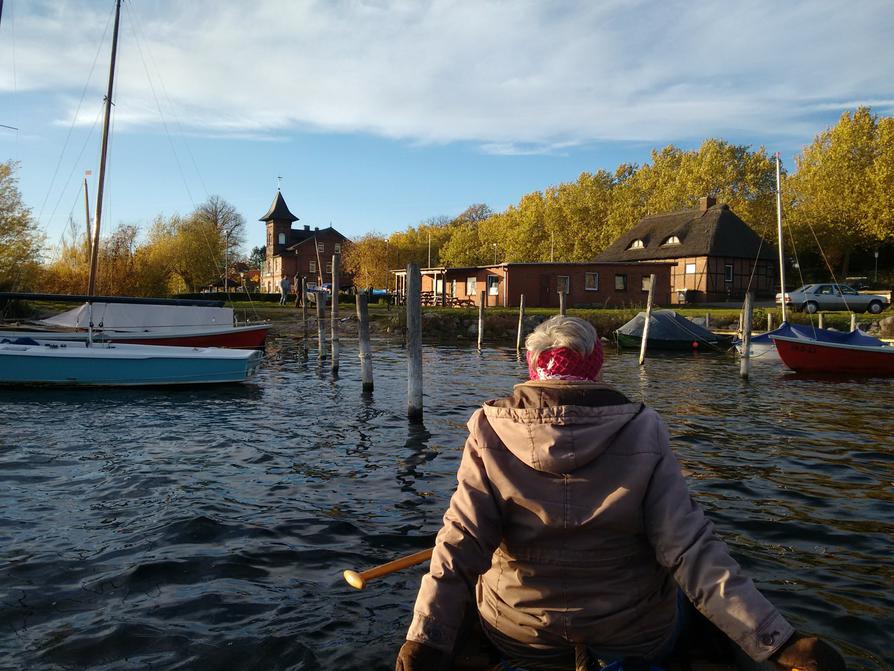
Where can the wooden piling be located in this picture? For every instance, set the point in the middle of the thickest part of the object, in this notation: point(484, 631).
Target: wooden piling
point(563, 310)
point(336, 344)
point(748, 315)
point(645, 337)
point(853, 321)
point(366, 372)
point(820, 320)
point(414, 343)
point(769, 321)
point(708, 321)
point(483, 297)
point(521, 324)
point(304, 312)
point(321, 315)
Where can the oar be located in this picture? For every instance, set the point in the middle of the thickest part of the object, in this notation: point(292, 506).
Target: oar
point(359, 580)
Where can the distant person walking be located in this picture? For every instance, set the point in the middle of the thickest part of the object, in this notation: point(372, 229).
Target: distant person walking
point(284, 287)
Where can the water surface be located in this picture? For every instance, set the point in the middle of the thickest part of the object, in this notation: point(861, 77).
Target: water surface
point(207, 528)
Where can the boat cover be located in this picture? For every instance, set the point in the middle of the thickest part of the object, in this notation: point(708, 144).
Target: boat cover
point(667, 325)
point(127, 316)
point(811, 333)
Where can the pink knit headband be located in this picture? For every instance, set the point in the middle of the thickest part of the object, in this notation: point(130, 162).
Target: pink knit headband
point(562, 363)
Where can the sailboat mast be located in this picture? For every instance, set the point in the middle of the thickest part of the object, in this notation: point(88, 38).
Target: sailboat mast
point(87, 217)
point(779, 233)
point(94, 251)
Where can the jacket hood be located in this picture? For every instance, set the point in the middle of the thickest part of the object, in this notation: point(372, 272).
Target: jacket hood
point(557, 426)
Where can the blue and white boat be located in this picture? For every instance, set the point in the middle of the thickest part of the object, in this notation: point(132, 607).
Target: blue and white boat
point(24, 361)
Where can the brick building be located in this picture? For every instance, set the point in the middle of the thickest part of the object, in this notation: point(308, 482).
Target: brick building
point(299, 252)
point(715, 256)
point(586, 284)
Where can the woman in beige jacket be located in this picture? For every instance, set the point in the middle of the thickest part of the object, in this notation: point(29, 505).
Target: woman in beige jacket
point(573, 529)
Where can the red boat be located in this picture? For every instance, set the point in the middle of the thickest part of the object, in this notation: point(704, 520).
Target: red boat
point(807, 355)
point(144, 322)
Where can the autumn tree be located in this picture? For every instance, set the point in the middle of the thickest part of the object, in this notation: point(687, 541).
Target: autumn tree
point(369, 258)
point(222, 216)
point(840, 194)
point(463, 245)
point(20, 244)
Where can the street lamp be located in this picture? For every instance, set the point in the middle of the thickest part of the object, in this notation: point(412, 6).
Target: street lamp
point(875, 254)
point(495, 253)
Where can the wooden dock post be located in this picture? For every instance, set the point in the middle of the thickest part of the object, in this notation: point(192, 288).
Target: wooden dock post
point(483, 296)
point(708, 321)
point(336, 345)
point(748, 314)
point(645, 337)
point(414, 343)
point(769, 321)
point(366, 371)
point(563, 310)
point(321, 314)
point(853, 321)
point(304, 313)
point(820, 320)
point(521, 324)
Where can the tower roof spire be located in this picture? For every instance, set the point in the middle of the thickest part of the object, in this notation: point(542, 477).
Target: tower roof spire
point(279, 211)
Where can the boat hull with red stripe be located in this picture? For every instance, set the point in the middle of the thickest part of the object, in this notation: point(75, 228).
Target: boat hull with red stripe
point(250, 336)
point(805, 355)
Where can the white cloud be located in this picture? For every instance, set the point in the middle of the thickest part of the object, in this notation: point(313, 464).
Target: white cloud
point(515, 77)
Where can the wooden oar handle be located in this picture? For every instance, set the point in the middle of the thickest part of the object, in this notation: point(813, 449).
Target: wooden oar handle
point(359, 580)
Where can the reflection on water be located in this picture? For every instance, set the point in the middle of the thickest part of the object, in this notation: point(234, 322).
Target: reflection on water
point(208, 527)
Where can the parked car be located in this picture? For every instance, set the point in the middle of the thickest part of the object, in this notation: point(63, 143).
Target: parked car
point(814, 297)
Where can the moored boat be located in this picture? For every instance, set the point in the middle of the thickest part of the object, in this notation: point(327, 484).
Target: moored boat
point(669, 331)
point(141, 321)
point(25, 361)
point(847, 355)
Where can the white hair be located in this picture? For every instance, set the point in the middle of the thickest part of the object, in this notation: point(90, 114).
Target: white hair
point(571, 332)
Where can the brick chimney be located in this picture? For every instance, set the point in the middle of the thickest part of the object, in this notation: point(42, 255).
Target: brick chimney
point(705, 202)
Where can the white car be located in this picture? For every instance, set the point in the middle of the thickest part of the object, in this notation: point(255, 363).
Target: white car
point(814, 297)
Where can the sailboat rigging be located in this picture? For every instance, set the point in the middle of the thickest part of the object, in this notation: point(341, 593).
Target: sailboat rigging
point(25, 360)
point(158, 321)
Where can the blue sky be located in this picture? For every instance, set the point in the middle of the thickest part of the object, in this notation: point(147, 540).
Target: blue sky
point(379, 114)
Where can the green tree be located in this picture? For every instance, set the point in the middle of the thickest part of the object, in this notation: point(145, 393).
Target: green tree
point(20, 244)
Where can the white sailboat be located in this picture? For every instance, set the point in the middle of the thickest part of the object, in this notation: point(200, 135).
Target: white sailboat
point(24, 360)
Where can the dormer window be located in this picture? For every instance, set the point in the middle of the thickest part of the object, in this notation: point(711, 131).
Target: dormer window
point(672, 240)
point(637, 244)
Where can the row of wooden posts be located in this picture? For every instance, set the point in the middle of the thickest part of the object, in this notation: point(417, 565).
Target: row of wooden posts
point(414, 331)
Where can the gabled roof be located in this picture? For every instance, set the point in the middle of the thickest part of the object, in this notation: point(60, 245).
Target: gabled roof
point(299, 237)
point(279, 211)
point(716, 231)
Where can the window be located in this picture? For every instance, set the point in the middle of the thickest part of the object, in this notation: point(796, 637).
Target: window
point(563, 284)
point(439, 285)
point(282, 238)
point(620, 282)
point(672, 240)
point(591, 281)
point(470, 286)
point(321, 247)
point(312, 266)
point(728, 272)
point(646, 283)
point(493, 285)
point(690, 269)
point(637, 244)
point(337, 248)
